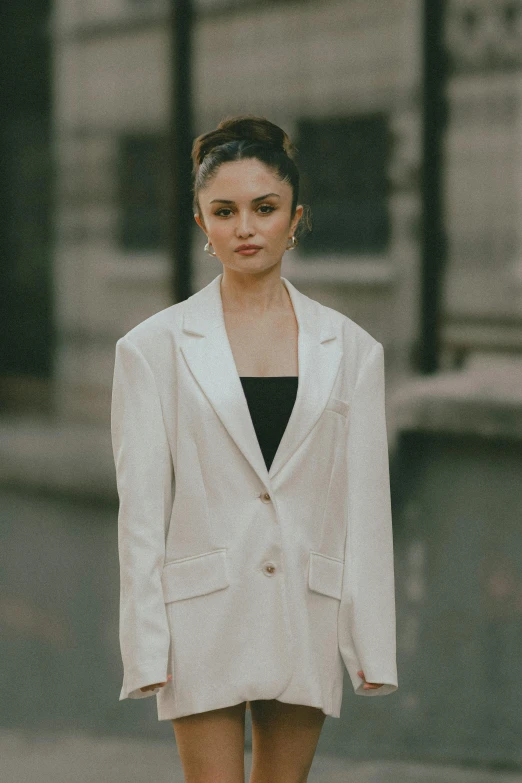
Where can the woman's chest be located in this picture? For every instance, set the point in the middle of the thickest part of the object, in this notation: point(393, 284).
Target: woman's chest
point(265, 346)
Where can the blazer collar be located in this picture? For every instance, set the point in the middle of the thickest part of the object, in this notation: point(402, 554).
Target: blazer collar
point(206, 348)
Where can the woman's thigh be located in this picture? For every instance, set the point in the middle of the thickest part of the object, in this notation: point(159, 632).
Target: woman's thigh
point(211, 745)
point(284, 740)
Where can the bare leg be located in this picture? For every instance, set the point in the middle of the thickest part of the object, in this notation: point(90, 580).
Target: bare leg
point(284, 741)
point(211, 745)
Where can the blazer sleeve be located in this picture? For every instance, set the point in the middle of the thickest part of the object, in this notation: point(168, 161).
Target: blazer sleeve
point(366, 619)
point(144, 476)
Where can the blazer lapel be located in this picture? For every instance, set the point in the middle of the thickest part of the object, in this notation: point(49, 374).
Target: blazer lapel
point(207, 351)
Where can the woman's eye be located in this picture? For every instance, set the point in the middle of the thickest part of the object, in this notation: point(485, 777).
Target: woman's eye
point(263, 206)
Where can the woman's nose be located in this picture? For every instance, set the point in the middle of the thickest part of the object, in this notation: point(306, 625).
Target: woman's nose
point(244, 226)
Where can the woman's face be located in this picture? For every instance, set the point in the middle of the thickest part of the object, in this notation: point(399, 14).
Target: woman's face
point(245, 203)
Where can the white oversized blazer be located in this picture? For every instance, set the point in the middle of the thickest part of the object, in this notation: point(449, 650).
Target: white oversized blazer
point(246, 583)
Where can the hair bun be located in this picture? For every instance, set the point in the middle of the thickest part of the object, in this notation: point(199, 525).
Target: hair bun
point(244, 127)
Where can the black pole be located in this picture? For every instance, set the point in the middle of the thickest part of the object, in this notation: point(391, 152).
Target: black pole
point(433, 235)
point(180, 144)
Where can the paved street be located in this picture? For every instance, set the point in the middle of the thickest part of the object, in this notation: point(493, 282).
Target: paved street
point(60, 718)
point(91, 760)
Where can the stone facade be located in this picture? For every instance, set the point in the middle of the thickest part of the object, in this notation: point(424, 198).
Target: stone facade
point(284, 61)
point(288, 60)
point(483, 309)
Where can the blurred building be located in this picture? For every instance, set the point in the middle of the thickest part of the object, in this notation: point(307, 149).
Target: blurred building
point(344, 80)
point(483, 174)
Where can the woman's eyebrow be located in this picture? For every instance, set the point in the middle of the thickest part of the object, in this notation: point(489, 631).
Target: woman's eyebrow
point(259, 198)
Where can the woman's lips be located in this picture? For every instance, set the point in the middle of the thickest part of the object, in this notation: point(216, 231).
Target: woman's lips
point(250, 251)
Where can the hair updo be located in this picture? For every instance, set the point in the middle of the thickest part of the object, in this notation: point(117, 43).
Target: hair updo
point(240, 137)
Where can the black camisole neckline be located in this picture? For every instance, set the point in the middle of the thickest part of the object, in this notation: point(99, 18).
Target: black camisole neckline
point(270, 406)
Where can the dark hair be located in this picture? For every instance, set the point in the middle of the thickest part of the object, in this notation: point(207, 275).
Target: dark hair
point(246, 136)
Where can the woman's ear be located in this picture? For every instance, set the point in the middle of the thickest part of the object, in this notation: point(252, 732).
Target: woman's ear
point(199, 222)
point(297, 217)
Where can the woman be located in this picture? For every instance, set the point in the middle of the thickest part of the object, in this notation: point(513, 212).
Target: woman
point(255, 536)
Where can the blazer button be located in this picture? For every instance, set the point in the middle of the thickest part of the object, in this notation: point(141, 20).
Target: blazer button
point(265, 497)
point(269, 569)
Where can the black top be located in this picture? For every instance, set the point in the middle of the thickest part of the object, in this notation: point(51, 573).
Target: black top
point(270, 402)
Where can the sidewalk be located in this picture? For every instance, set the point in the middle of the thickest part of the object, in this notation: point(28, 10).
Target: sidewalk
point(92, 760)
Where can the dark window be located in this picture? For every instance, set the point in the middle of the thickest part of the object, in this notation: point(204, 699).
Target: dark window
point(142, 192)
point(344, 164)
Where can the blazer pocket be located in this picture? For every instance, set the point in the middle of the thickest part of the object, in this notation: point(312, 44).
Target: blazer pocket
point(188, 577)
point(338, 406)
point(325, 574)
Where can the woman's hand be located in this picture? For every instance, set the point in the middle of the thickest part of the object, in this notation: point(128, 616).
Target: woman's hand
point(156, 685)
point(368, 685)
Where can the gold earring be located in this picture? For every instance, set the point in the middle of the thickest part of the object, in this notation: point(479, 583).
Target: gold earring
point(208, 250)
point(295, 242)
